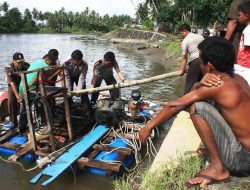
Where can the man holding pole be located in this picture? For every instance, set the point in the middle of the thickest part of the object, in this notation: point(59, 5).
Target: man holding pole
point(103, 70)
point(189, 48)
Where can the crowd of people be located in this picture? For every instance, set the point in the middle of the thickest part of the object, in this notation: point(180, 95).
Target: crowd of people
point(217, 96)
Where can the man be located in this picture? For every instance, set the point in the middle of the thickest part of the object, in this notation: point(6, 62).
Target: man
point(225, 132)
point(18, 64)
point(75, 70)
point(103, 70)
point(234, 29)
point(48, 60)
point(189, 47)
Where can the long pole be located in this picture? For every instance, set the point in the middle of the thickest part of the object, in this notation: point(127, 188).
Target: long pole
point(123, 85)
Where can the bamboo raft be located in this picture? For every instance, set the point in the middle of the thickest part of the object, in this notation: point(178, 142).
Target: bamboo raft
point(62, 136)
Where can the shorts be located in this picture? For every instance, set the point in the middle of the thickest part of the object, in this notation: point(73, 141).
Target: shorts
point(235, 158)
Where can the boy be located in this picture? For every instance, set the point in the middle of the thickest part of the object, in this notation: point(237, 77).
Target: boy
point(243, 66)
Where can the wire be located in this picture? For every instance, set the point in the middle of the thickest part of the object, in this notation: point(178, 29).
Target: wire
point(18, 163)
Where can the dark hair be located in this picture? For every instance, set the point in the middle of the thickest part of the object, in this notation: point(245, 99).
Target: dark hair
point(53, 52)
point(77, 55)
point(184, 27)
point(50, 57)
point(245, 7)
point(219, 52)
point(109, 56)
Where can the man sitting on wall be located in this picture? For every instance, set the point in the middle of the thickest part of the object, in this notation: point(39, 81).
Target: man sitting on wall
point(224, 130)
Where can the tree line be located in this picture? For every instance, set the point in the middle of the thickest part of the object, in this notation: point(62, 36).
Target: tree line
point(13, 21)
point(199, 13)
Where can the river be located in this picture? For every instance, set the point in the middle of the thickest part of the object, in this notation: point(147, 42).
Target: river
point(135, 64)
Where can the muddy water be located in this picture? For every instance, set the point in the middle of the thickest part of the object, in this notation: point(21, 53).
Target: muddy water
point(135, 64)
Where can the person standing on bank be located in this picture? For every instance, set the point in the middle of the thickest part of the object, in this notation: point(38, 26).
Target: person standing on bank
point(189, 47)
point(18, 64)
point(75, 70)
point(103, 70)
point(234, 28)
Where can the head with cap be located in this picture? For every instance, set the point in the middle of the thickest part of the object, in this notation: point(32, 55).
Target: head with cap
point(109, 57)
point(17, 59)
point(76, 57)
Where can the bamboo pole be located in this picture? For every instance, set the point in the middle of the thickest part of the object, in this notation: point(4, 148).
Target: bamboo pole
point(123, 85)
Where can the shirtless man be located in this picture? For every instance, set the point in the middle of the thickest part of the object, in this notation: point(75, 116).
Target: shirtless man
point(225, 132)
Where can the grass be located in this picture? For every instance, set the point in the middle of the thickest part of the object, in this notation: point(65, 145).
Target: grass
point(172, 47)
point(171, 177)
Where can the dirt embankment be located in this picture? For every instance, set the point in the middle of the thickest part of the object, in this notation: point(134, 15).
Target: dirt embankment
point(162, 47)
point(134, 36)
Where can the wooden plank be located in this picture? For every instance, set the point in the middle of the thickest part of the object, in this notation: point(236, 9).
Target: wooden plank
point(10, 145)
point(98, 164)
point(108, 148)
point(71, 155)
point(26, 149)
point(28, 111)
point(47, 110)
point(120, 158)
point(125, 136)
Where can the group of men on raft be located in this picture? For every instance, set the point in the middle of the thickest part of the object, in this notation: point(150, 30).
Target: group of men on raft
point(218, 103)
point(75, 70)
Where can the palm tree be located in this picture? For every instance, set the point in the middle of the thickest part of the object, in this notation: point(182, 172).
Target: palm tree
point(5, 7)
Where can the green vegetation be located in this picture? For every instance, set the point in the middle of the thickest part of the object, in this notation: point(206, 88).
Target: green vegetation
point(174, 12)
point(13, 21)
point(171, 177)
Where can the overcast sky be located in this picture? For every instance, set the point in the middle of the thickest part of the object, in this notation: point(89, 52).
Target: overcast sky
point(103, 7)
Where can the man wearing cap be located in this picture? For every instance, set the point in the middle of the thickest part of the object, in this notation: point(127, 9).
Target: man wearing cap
point(13, 78)
point(103, 70)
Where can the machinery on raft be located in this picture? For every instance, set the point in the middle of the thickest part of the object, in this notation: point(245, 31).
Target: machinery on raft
point(102, 141)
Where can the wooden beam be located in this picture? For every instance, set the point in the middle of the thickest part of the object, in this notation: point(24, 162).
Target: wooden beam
point(27, 148)
point(98, 164)
point(123, 85)
point(125, 136)
point(125, 151)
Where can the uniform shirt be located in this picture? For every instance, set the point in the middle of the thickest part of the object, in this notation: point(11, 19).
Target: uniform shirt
point(12, 73)
point(244, 49)
point(79, 71)
point(189, 45)
point(104, 70)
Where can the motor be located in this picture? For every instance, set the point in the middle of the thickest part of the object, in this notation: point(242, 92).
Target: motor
point(109, 112)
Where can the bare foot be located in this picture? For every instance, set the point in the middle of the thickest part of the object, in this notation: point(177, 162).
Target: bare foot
point(209, 175)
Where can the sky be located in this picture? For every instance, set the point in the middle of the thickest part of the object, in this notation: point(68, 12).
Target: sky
point(103, 7)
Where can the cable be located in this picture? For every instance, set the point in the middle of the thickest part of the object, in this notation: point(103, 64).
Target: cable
point(18, 163)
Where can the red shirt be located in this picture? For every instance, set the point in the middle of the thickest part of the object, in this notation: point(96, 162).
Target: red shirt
point(244, 49)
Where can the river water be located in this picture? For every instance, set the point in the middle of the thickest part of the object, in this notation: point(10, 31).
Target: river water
point(135, 64)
